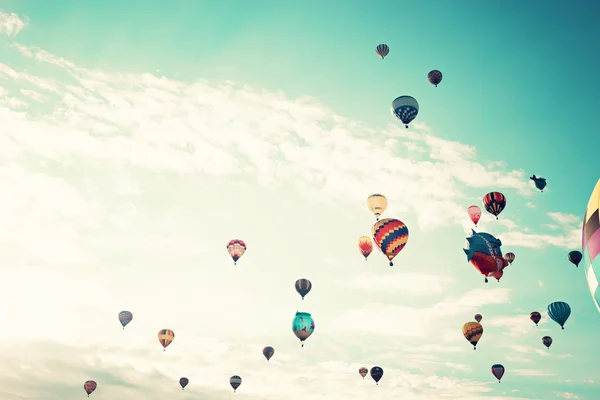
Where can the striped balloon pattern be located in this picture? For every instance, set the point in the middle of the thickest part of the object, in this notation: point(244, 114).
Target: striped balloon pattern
point(303, 287)
point(235, 382)
point(560, 312)
point(472, 332)
point(390, 236)
point(590, 244)
point(494, 203)
point(236, 248)
point(382, 50)
point(165, 337)
point(125, 317)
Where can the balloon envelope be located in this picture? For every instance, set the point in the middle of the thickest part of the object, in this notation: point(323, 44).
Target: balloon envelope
point(535, 317)
point(575, 257)
point(235, 381)
point(390, 236)
point(498, 371)
point(478, 317)
point(434, 77)
point(559, 311)
point(89, 387)
point(303, 286)
point(165, 337)
point(590, 244)
point(268, 352)
point(183, 382)
point(405, 109)
point(365, 245)
point(382, 50)
point(472, 331)
point(474, 213)
point(236, 248)
point(376, 374)
point(303, 326)
point(363, 371)
point(377, 204)
point(494, 203)
point(510, 257)
point(125, 317)
point(547, 341)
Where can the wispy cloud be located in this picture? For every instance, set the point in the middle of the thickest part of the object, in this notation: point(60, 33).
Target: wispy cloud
point(566, 395)
point(11, 24)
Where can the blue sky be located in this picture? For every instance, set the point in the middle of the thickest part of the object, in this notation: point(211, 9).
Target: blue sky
point(140, 138)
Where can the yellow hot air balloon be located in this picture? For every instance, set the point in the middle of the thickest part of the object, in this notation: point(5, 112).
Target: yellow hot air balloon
point(377, 203)
point(472, 332)
point(165, 337)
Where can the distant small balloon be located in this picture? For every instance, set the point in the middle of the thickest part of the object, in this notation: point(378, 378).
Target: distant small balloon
point(183, 382)
point(268, 352)
point(535, 317)
point(510, 257)
point(498, 371)
point(125, 317)
point(89, 387)
point(547, 341)
point(303, 287)
point(363, 372)
point(575, 257)
point(376, 374)
point(474, 213)
point(236, 249)
point(382, 50)
point(472, 331)
point(434, 77)
point(478, 317)
point(235, 381)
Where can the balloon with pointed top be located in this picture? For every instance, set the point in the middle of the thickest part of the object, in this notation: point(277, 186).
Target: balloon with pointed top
point(560, 312)
point(236, 248)
point(405, 109)
point(434, 77)
point(535, 317)
point(268, 352)
point(303, 326)
point(494, 203)
point(575, 257)
point(165, 337)
point(510, 257)
point(390, 235)
point(382, 50)
point(235, 381)
point(498, 371)
point(89, 387)
point(590, 244)
point(363, 372)
point(365, 246)
point(472, 331)
point(478, 318)
point(125, 317)
point(376, 374)
point(540, 183)
point(547, 341)
point(485, 254)
point(183, 382)
point(303, 287)
point(474, 213)
point(377, 204)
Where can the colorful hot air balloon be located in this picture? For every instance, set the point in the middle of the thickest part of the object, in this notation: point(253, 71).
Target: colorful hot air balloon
point(498, 371)
point(559, 311)
point(89, 387)
point(183, 382)
point(494, 203)
point(377, 204)
point(236, 249)
point(382, 50)
point(268, 352)
point(235, 382)
point(376, 374)
point(434, 77)
point(405, 109)
point(363, 372)
point(535, 317)
point(365, 245)
point(510, 257)
point(485, 254)
point(497, 275)
point(540, 183)
point(303, 326)
point(575, 257)
point(478, 318)
point(165, 337)
point(474, 213)
point(590, 244)
point(125, 317)
point(303, 286)
point(390, 236)
point(472, 332)
point(547, 340)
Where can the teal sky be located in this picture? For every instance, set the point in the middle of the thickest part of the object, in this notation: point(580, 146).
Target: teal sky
point(159, 173)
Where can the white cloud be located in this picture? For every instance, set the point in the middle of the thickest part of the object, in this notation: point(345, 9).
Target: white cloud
point(530, 204)
point(11, 24)
point(532, 372)
point(566, 395)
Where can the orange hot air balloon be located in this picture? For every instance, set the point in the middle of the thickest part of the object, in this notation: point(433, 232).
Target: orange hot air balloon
point(390, 235)
point(365, 246)
point(475, 214)
point(472, 332)
point(165, 337)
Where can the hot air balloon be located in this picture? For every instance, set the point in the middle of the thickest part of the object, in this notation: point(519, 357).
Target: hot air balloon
point(89, 387)
point(363, 372)
point(478, 318)
point(485, 253)
point(575, 257)
point(183, 382)
point(165, 337)
point(535, 317)
point(590, 244)
point(405, 109)
point(498, 371)
point(547, 340)
point(125, 317)
point(268, 352)
point(434, 77)
point(303, 326)
point(303, 286)
point(510, 257)
point(236, 249)
point(377, 204)
point(497, 275)
point(475, 214)
point(390, 236)
point(494, 203)
point(365, 246)
point(540, 183)
point(472, 332)
point(559, 311)
point(235, 382)
point(376, 374)
point(382, 50)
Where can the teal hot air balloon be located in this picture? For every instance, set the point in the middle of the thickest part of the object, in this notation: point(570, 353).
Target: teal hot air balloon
point(559, 311)
point(303, 326)
point(405, 109)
